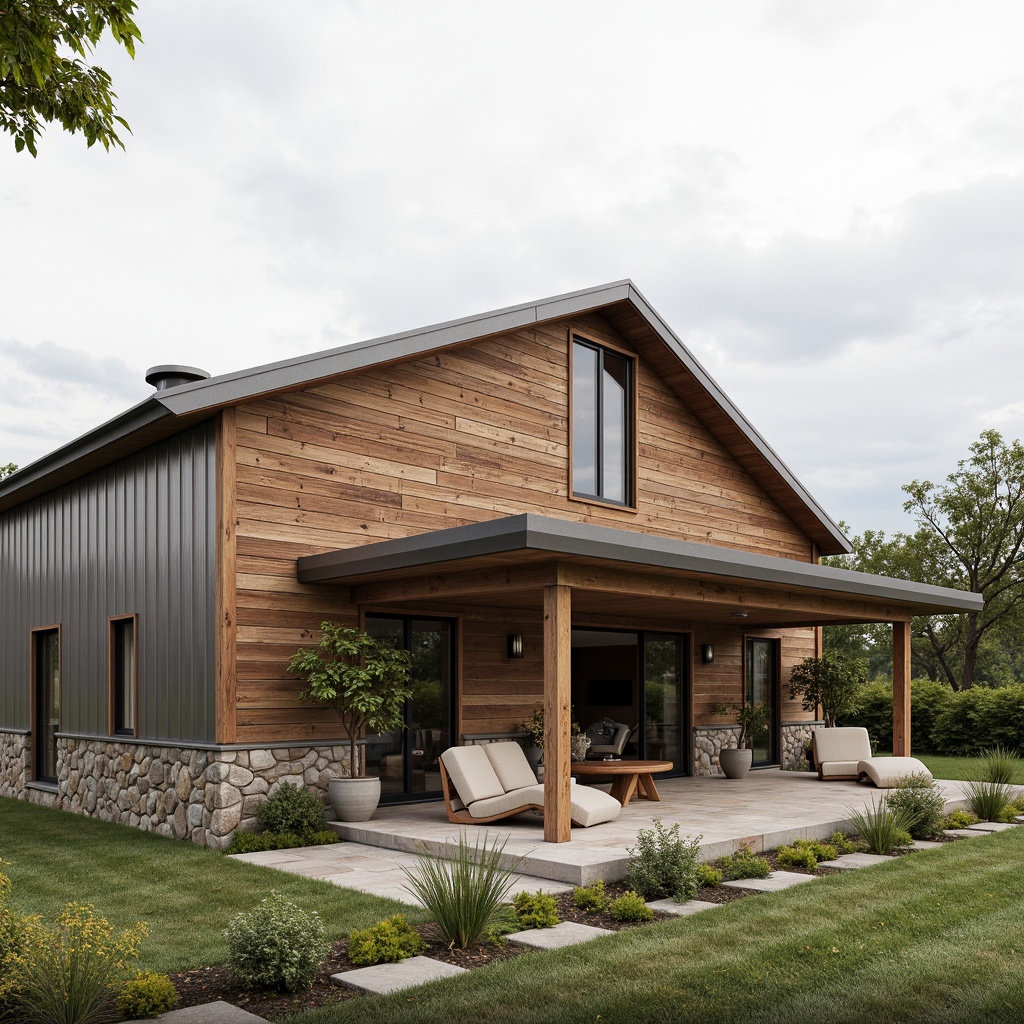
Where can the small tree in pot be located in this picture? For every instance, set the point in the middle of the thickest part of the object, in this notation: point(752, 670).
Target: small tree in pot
point(751, 718)
point(365, 680)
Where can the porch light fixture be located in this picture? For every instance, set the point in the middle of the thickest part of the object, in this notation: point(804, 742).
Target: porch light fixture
point(515, 645)
point(739, 615)
point(707, 654)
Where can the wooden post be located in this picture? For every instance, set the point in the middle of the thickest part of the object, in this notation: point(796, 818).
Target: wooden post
point(901, 689)
point(557, 699)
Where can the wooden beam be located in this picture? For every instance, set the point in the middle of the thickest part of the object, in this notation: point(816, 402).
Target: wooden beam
point(557, 699)
point(457, 584)
point(227, 587)
point(901, 689)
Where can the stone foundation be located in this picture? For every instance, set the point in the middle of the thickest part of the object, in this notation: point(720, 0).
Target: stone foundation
point(708, 740)
point(201, 795)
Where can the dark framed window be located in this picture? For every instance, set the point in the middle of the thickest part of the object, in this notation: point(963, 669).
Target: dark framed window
point(124, 675)
point(45, 703)
point(603, 410)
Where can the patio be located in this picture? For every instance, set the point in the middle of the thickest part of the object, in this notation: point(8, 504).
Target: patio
point(764, 810)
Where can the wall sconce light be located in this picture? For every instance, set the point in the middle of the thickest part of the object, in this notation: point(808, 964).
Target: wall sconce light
point(515, 645)
point(707, 654)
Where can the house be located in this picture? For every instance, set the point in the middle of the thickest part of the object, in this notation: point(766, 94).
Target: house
point(551, 504)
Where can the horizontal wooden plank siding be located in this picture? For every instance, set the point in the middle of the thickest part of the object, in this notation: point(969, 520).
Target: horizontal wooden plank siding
point(450, 439)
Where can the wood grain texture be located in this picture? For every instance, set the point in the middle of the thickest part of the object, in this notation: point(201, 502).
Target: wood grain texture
point(557, 717)
point(227, 592)
point(901, 689)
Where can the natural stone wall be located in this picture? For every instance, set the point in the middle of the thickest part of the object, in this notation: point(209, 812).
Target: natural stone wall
point(709, 740)
point(198, 795)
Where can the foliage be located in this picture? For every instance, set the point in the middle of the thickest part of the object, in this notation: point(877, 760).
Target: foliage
point(630, 906)
point(708, 876)
point(806, 853)
point(67, 968)
point(959, 819)
point(364, 679)
point(591, 898)
point(751, 718)
point(256, 842)
point(39, 83)
point(662, 865)
point(744, 863)
point(463, 893)
point(534, 725)
point(276, 946)
point(294, 809)
point(12, 944)
point(8, 470)
point(999, 764)
point(535, 909)
point(830, 682)
point(842, 843)
point(881, 827)
point(974, 720)
point(386, 942)
point(923, 803)
point(989, 800)
point(146, 995)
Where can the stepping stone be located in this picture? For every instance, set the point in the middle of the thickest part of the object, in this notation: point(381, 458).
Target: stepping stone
point(851, 861)
point(681, 909)
point(775, 882)
point(991, 826)
point(568, 933)
point(383, 978)
point(964, 833)
point(925, 844)
point(211, 1013)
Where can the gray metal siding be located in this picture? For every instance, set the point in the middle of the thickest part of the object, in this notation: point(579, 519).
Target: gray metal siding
point(136, 537)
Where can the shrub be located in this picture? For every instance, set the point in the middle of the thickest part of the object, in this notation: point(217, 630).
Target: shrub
point(146, 995)
point(708, 876)
point(744, 863)
point(841, 843)
point(386, 942)
point(1000, 764)
point(591, 898)
point(462, 893)
point(923, 802)
point(12, 943)
point(276, 946)
point(881, 827)
point(257, 842)
point(959, 819)
point(630, 906)
point(662, 865)
point(873, 711)
point(989, 800)
point(535, 909)
point(831, 682)
point(796, 857)
point(70, 966)
point(292, 809)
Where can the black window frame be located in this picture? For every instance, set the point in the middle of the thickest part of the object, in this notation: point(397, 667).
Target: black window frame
point(119, 684)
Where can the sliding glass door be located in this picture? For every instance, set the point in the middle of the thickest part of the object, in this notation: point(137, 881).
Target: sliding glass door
point(762, 658)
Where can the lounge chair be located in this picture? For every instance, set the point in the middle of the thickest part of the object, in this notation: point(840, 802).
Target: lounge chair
point(845, 753)
point(494, 780)
point(607, 737)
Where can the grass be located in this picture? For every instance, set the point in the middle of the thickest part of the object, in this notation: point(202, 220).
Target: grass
point(185, 894)
point(959, 768)
point(933, 937)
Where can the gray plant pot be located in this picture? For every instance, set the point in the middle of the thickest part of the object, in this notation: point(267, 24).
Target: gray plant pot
point(735, 761)
point(354, 799)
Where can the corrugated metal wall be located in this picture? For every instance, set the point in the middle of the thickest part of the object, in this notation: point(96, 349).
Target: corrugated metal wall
point(137, 536)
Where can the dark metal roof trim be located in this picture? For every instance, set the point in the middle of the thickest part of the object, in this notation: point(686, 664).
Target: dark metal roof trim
point(563, 537)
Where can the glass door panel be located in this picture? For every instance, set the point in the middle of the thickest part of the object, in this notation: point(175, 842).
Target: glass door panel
point(665, 699)
point(762, 659)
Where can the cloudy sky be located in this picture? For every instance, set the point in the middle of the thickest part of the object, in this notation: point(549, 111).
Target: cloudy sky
point(824, 198)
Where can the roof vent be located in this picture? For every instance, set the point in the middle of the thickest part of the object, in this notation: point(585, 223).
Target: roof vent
point(170, 376)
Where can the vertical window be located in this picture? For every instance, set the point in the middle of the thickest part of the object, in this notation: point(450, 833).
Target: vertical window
point(46, 703)
point(602, 423)
point(123, 675)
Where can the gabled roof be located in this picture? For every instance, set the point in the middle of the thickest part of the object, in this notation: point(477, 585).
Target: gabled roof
point(621, 303)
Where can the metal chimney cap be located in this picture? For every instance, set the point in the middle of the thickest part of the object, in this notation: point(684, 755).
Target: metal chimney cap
point(170, 375)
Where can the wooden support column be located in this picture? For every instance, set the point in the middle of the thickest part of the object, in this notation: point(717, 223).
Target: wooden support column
point(557, 699)
point(901, 689)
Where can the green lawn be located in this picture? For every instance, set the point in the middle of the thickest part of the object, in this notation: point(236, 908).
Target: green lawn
point(185, 894)
point(934, 937)
point(963, 768)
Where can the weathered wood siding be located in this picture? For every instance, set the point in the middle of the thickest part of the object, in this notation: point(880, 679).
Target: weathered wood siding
point(459, 437)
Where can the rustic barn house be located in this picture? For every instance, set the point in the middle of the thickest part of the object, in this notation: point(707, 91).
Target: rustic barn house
point(551, 503)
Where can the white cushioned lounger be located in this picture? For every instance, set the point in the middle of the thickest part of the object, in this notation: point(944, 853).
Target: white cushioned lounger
point(845, 753)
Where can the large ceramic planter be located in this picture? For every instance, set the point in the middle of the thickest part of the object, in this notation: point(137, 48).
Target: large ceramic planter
point(353, 799)
point(534, 755)
point(735, 761)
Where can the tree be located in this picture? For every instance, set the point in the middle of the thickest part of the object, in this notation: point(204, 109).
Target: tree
point(830, 682)
point(8, 470)
point(39, 83)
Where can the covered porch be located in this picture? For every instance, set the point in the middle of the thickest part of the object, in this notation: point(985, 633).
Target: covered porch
point(564, 573)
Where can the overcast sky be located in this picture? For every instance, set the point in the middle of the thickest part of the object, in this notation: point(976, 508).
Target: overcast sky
point(823, 198)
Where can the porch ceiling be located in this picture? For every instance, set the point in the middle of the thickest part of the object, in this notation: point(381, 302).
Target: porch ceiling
point(507, 563)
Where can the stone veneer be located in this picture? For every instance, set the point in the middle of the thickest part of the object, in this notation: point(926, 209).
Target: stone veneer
point(198, 794)
point(708, 740)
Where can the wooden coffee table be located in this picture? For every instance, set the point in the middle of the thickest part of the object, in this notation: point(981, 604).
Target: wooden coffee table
point(629, 778)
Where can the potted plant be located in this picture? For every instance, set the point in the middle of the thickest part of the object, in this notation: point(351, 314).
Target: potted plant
point(534, 729)
point(365, 680)
point(751, 718)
